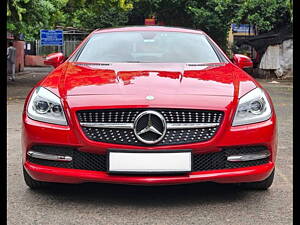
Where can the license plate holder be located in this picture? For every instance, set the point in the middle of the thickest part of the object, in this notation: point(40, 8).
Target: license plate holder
point(149, 162)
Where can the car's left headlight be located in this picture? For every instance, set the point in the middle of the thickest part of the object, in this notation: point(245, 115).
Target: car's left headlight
point(253, 107)
point(46, 107)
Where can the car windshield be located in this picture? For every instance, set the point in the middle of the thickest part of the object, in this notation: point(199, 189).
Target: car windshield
point(148, 47)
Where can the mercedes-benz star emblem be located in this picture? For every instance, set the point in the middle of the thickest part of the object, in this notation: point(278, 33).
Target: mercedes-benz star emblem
point(150, 127)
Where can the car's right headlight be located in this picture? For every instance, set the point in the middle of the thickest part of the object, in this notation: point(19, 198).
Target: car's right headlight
point(253, 107)
point(46, 107)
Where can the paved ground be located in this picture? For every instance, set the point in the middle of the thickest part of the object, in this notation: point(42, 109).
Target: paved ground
point(203, 203)
point(25, 81)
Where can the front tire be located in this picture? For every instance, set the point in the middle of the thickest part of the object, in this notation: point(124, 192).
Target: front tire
point(260, 185)
point(33, 184)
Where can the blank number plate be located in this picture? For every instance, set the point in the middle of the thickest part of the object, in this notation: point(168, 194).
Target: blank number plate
point(137, 162)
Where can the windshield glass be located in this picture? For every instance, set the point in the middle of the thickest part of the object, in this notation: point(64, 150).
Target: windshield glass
point(148, 47)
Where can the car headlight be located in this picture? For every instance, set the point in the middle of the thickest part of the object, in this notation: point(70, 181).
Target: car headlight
point(46, 107)
point(253, 108)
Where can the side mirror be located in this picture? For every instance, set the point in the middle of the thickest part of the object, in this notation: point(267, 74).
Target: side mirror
point(242, 61)
point(54, 59)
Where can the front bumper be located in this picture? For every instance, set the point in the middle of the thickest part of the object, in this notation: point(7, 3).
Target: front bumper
point(38, 133)
point(62, 175)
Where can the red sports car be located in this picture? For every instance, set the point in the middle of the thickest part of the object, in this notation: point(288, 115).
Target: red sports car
point(149, 105)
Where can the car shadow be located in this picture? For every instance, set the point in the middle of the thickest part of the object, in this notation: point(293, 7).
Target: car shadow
point(143, 196)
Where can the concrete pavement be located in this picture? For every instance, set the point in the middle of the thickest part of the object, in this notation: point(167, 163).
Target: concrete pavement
point(25, 80)
point(203, 203)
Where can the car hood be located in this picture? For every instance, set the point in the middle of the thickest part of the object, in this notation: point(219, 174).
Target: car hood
point(149, 79)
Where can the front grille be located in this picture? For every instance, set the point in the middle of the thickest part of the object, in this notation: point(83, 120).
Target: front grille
point(98, 162)
point(127, 136)
point(129, 115)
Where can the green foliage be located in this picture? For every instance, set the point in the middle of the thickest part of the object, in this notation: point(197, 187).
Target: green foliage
point(265, 15)
point(16, 7)
point(92, 14)
point(215, 16)
point(289, 5)
point(212, 16)
point(29, 16)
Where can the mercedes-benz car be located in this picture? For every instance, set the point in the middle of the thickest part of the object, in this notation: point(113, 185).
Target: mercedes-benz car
point(149, 105)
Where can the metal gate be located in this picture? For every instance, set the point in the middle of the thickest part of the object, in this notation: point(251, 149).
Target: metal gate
point(67, 48)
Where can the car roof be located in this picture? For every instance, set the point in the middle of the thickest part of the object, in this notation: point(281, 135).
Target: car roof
point(149, 28)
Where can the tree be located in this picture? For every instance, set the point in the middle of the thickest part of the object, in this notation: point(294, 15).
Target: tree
point(15, 11)
point(215, 16)
point(29, 16)
point(266, 15)
point(143, 9)
point(212, 16)
point(92, 14)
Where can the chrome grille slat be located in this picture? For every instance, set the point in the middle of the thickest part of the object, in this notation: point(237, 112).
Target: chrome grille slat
point(169, 125)
point(109, 125)
point(191, 125)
